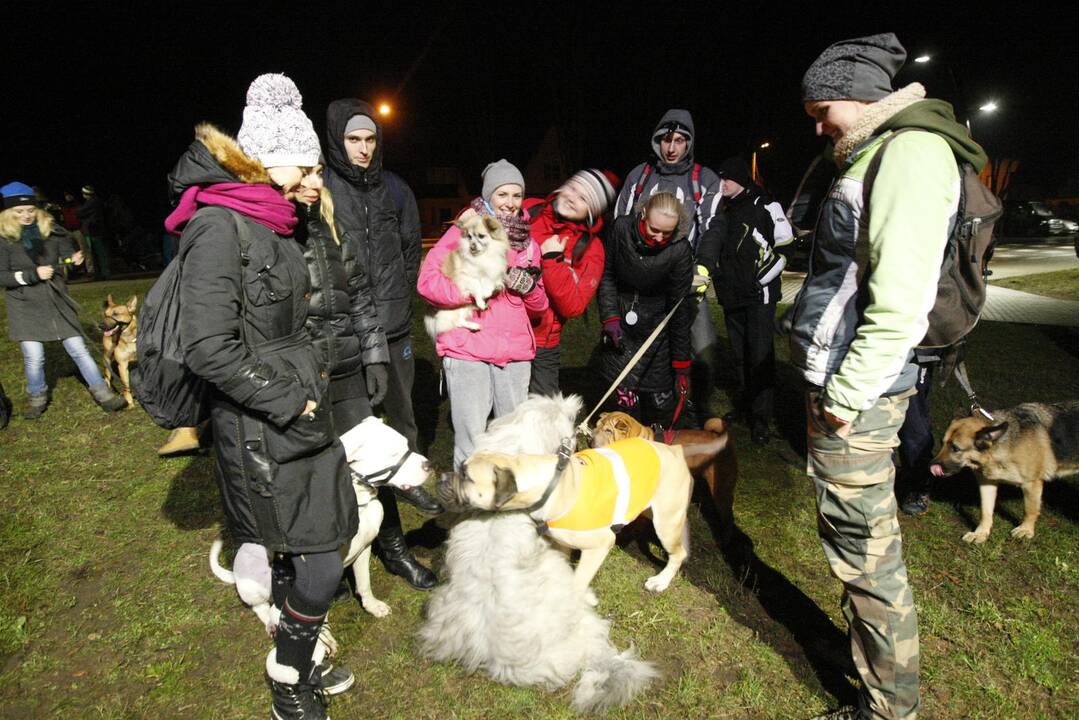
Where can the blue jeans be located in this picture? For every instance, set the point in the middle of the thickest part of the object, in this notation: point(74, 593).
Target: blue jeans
point(33, 361)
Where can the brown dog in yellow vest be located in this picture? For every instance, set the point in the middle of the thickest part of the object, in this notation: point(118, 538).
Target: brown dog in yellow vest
point(580, 501)
point(709, 454)
point(119, 333)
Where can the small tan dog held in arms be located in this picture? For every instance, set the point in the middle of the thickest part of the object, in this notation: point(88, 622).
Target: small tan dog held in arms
point(1027, 446)
point(477, 267)
point(709, 454)
point(119, 330)
point(580, 501)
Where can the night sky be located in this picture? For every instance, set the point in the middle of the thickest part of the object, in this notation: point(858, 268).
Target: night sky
point(108, 93)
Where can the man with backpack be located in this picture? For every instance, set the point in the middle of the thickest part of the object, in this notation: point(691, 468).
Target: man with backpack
point(877, 258)
point(378, 223)
point(674, 170)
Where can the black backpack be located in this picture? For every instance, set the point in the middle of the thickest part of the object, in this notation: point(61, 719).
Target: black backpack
point(164, 386)
point(964, 269)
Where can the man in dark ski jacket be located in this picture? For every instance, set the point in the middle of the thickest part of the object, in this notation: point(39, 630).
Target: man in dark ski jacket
point(378, 224)
point(746, 266)
point(672, 169)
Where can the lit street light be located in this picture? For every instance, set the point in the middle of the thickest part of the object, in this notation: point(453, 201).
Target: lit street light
point(923, 58)
point(384, 109)
point(988, 107)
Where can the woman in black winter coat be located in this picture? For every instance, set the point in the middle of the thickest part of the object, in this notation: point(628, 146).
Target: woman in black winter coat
point(283, 477)
point(39, 309)
point(648, 270)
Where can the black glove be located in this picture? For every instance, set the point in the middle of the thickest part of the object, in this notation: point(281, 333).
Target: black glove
point(377, 377)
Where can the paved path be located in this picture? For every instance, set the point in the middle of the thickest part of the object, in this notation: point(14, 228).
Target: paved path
point(1012, 260)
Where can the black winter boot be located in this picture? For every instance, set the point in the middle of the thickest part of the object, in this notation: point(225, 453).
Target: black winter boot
point(5, 408)
point(292, 698)
point(420, 499)
point(397, 558)
point(106, 398)
point(36, 405)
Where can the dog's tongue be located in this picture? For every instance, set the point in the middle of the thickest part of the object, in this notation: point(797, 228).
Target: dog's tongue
point(936, 470)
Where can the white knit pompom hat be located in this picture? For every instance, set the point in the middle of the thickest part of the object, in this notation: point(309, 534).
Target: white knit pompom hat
point(275, 130)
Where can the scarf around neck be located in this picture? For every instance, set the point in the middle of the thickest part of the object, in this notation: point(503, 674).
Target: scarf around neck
point(875, 115)
point(517, 227)
point(258, 201)
point(32, 241)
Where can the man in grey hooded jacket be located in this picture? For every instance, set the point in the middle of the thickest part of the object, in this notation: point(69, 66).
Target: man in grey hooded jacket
point(673, 170)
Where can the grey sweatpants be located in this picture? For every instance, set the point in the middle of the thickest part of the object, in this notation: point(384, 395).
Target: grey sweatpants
point(477, 389)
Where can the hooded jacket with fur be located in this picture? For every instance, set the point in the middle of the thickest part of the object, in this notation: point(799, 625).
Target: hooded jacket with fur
point(675, 178)
point(283, 479)
point(377, 219)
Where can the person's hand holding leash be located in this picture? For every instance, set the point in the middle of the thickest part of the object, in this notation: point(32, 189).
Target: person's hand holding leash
point(701, 280)
point(681, 376)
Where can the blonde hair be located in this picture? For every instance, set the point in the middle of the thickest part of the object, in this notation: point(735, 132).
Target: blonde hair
point(325, 210)
point(667, 204)
point(11, 228)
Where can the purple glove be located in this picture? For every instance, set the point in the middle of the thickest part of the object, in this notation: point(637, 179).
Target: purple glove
point(612, 330)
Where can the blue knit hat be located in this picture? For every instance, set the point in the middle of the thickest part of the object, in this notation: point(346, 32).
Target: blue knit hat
point(17, 193)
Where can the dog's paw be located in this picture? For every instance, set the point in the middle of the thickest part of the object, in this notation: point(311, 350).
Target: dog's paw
point(656, 583)
point(474, 327)
point(1023, 532)
point(590, 598)
point(481, 303)
point(376, 607)
point(976, 536)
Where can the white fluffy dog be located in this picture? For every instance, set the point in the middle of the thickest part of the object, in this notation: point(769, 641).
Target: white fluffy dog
point(508, 605)
point(477, 267)
point(377, 455)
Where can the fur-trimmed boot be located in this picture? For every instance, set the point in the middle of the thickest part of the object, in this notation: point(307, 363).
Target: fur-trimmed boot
point(291, 697)
point(106, 399)
point(36, 405)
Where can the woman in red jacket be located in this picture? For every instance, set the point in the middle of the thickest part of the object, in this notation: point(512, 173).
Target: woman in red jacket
point(566, 225)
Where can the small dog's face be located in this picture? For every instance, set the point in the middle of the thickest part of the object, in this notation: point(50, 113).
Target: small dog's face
point(486, 481)
point(372, 447)
point(968, 443)
point(614, 426)
point(479, 233)
point(115, 314)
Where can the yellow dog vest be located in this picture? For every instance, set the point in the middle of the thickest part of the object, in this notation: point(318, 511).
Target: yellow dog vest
point(617, 483)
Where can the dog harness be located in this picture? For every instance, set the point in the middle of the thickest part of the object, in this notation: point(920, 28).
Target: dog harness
point(617, 483)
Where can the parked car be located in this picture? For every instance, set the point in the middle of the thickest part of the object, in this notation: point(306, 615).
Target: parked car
point(1034, 219)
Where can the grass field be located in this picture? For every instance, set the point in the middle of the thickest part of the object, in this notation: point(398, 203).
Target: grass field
point(109, 609)
point(1061, 284)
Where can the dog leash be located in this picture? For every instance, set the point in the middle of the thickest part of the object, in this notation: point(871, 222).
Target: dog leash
point(960, 372)
point(583, 427)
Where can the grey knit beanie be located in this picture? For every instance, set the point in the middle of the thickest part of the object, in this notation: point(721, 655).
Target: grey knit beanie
point(360, 122)
point(856, 69)
point(500, 173)
point(275, 130)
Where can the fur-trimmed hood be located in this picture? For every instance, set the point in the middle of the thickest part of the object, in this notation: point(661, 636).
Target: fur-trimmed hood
point(214, 157)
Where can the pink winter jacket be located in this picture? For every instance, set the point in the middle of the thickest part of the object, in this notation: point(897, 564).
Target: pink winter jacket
point(506, 334)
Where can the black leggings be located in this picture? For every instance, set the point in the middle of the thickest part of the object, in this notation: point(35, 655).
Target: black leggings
point(313, 576)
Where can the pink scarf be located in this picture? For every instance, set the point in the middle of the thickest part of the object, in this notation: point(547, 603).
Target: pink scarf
point(260, 202)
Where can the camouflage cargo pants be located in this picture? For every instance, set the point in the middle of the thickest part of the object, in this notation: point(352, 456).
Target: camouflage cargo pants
point(854, 475)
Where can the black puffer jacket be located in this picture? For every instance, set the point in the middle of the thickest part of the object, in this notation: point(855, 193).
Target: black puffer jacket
point(341, 317)
point(648, 281)
point(377, 219)
point(38, 310)
point(283, 479)
point(749, 236)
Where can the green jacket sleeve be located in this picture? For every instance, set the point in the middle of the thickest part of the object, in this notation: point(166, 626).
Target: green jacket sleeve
point(912, 204)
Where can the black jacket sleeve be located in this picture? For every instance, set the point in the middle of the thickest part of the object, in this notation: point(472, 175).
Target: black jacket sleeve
point(680, 280)
point(607, 295)
point(711, 241)
point(210, 326)
point(411, 235)
point(363, 313)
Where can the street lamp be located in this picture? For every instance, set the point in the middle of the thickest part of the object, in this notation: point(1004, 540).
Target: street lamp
point(384, 109)
point(923, 58)
point(754, 172)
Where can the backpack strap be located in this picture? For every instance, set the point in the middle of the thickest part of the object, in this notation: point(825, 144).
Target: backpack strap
point(243, 235)
point(639, 188)
point(695, 178)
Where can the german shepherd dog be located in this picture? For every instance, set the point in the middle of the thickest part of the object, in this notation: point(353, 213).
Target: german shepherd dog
point(1027, 446)
point(119, 330)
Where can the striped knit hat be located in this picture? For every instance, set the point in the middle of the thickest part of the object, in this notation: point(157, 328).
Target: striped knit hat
point(597, 187)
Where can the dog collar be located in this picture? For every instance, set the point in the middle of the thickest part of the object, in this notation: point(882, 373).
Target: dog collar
point(565, 452)
point(376, 478)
